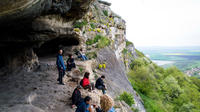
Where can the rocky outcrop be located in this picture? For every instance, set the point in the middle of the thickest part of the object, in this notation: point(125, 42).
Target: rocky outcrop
point(33, 31)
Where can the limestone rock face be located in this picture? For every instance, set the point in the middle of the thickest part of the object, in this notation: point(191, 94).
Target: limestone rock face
point(32, 31)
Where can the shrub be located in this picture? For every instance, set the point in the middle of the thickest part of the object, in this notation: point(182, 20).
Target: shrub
point(76, 29)
point(81, 69)
point(92, 25)
point(100, 66)
point(103, 41)
point(128, 43)
point(137, 63)
point(80, 24)
point(125, 51)
point(99, 30)
point(105, 12)
point(91, 55)
point(139, 54)
point(127, 98)
point(100, 40)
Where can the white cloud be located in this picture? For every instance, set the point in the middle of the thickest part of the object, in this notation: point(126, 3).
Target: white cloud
point(160, 22)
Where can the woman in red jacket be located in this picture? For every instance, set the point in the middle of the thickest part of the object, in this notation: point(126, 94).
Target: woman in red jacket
point(86, 82)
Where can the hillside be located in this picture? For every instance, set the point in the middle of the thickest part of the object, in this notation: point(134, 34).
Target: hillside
point(33, 31)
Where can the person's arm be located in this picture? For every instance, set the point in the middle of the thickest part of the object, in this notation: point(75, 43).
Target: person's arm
point(58, 62)
point(74, 98)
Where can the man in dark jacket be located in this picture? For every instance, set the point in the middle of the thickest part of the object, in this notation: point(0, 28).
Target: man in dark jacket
point(76, 97)
point(60, 66)
point(70, 63)
point(85, 105)
point(100, 84)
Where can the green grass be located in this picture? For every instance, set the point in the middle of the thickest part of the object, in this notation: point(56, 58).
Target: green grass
point(100, 40)
point(128, 43)
point(127, 98)
point(125, 51)
point(92, 25)
point(105, 12)
point(80, 24)
point(139, 54)
point(91, 55)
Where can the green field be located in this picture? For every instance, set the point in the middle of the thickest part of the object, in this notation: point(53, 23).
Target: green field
point(185, 58)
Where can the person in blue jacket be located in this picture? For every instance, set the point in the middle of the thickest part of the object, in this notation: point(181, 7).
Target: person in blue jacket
point(60, 66)
point(85, 105)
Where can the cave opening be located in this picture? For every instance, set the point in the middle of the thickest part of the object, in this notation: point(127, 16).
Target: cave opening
point(51, 47)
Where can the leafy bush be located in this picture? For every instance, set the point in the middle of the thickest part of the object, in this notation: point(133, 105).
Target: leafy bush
point(125, 51)
point(80, 24)
point(128, 43)
point(164, 90)
point(100, 40)
point(139, 54)
point(103, 41)
point(127, 98)
point(92, 25)
point(105, 12)
point(91, 55)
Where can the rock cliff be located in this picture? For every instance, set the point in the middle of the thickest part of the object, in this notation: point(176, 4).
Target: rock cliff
point(31, 33)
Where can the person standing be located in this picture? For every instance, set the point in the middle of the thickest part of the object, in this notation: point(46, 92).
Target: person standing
point(60, 66)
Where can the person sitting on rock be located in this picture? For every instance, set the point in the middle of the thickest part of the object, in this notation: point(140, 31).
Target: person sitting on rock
point(107, 103)
point(81, 55)
point(60, 66)
point(100, 84)
point(70, 63)
point(85, 105)
point(85, 82)
point(76, 97)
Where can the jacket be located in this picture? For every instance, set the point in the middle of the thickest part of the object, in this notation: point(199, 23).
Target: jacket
point(76, 97)
point(83, 107)
point(60, 62)
point(86, 81)
point(99, 82)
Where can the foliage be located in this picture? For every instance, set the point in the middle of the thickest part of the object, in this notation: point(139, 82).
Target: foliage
point(127, 98)
point(91, 55)
point(105, 12)
point(164, 90)
point(92, 25)
point(103, 41)
point(98, 30)
point(76, 29)
point(128, 43)
point(81, 69)
point(139, 54)
point(80, 24)
point(100, 40)
point(134, 110)
point(125, 51)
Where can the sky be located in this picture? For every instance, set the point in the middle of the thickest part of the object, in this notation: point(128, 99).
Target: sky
point(160, 22)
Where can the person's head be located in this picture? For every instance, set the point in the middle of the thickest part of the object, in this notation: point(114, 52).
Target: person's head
point(60, 51)
point(70, 56)
point(87, 100)
point(81, 49)
point(103, 77)
point(106, 102)
point(87, 74)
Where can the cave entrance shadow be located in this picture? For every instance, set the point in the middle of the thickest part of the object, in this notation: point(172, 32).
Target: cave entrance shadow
point(51, 47)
